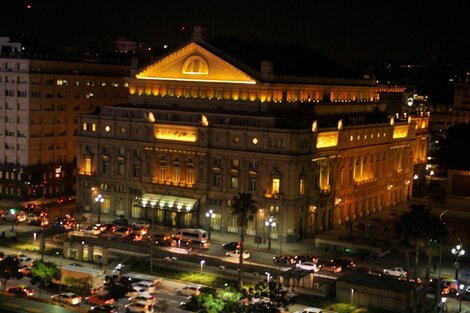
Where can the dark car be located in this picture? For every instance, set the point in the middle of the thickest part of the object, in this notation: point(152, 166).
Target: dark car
point(331, 267)
point(20, 291)
point(284, 259)
point(103, 309)
point(190, 304)
point(230, 246)
point(345, 262)
point(163, 240)
point(306, 258)
point(121, 221)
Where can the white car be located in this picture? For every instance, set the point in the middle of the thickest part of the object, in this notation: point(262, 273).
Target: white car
point(25, 262)
point(67, 298)
point(139, 307)
point(308, 266)
point(309, 310)
point(149, 287)
point(92, 230)
point(141, 224)
point(189, 290)
point(137, 291)
point(398, 272)
point(236, 254)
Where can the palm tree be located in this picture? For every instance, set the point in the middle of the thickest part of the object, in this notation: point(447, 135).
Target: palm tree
point(244, 207)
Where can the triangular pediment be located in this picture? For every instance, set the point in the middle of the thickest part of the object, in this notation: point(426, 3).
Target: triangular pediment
point(194, 63)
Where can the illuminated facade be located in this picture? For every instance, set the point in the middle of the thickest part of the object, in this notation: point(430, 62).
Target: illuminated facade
point(40, 99)
point(312, 144)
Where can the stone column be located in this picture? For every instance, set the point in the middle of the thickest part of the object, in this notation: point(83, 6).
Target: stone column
point(91, 250)
point(80, 252)
point(66, 250)
point(105, 255)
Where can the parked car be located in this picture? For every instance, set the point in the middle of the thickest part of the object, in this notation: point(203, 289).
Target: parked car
point(20, 290)
point(308, 266)
point(100, 299)
point(69, 298)
point(136, 291)
point(398, 272)
point(92, 230)
point(331, 267)
point(138, 307)
point(103, 309)
point(163, 240)
point(231, 246)
point(141, 224)
point(148, 285)
point(236, 254)
point(189, 290)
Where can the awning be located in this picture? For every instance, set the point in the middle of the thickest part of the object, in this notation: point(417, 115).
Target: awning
point(169, 202)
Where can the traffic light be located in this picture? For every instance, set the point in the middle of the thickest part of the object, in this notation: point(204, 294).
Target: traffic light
point(12, 211)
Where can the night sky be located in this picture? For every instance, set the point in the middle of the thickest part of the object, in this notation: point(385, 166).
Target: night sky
point(352, 32)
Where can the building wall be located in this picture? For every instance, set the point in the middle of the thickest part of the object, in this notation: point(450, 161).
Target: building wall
point(39, 104)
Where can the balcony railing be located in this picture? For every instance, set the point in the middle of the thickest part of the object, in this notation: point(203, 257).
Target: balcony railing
point(172, 183)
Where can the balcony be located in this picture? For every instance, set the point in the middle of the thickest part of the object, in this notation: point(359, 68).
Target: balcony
point(171, 183)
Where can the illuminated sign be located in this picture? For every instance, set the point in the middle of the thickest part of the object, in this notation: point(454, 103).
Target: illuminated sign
point(400, 131)
point(327, 139)
point(176, 133)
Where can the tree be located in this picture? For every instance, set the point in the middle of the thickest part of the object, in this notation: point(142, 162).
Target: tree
point(244, 207)
point(45, 273)
point(9, 270)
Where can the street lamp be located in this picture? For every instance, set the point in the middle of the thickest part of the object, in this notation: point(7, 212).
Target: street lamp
point(461, 287)
point(60, 282)
point(202, 265)
point(431, 174)
point(352, 296)
point(271, 223)
point(268, 276)
point(458, 251)
point(99, 200)
point(210, 214)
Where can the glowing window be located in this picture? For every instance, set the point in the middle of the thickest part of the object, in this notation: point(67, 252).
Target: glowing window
point(236, 139)
point(107, 128)
point(302, 186)
point(93, 127)
point(195, 65)
point(84, 126)
point(276, 183)
point(255, 141)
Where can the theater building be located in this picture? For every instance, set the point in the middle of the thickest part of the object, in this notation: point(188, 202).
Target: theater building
point(308, 138)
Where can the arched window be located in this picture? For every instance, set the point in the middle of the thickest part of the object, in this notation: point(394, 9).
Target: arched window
point(195, 65)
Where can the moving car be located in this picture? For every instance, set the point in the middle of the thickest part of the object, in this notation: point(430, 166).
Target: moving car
point(121, 221)
point(190, 304)
point(189, 290)
point(139, 307)
point(69, 298)
point(26, 271)
point(284, 259)
point(231, 246)
point(305, 258)
point(103, 309)
point(20, 290)
point(345, 262)
point(308, 266)
point(398, 272)
point(143, 297)
point(141, 224)
point(331, 267)
point(100, 299)
point(236, 254)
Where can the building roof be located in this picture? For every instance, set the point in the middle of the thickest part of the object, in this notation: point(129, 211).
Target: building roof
point(287, 61)
point(377, 282)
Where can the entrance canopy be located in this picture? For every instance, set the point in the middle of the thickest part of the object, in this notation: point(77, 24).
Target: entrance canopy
point(169, 202)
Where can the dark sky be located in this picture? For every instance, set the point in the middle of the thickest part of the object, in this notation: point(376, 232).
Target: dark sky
point(349, 31)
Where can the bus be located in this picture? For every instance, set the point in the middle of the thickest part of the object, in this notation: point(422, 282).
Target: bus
point(194, 235)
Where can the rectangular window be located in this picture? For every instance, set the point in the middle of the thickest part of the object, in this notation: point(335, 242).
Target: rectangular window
point(87, 165)
point(234, 181)
point(216, 180)
point(302, 186)
point(252, 185)
point(235, 162)
point(135, 171)
point(93, 127)
point(276, 183)
point(84, 126)
point(121, 168)
point(104, 167)
point(190, 178)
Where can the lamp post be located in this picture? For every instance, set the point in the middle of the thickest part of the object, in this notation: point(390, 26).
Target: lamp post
point(60, 282)
point(271, 223)
point(431, 174)
point(210, 214)
point(152, 203)
point(458, 251)
point(99, 200)
point(461, 287)
point(202, 265)
point(352, 296)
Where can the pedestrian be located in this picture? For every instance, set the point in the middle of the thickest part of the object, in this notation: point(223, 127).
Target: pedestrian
point(100, 262)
